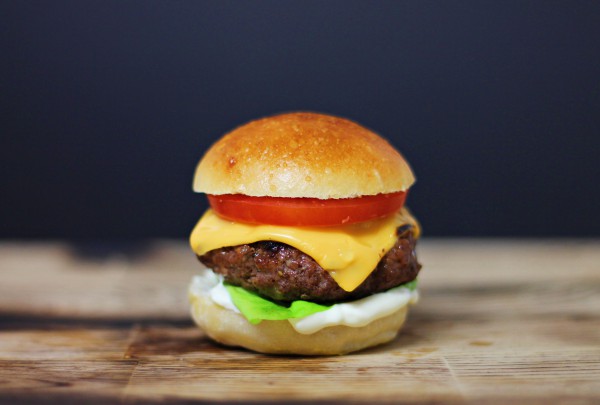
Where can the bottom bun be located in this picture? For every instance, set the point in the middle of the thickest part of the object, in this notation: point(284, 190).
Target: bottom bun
point(279, 337)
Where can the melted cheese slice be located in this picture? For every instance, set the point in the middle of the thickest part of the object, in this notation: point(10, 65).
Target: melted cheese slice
point(348, 252)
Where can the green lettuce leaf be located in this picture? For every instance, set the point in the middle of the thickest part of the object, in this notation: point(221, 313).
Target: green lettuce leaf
point(256, 308)
point(411, 285)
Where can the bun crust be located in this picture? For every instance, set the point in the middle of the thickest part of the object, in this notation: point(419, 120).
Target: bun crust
point(279, 337)
point(302, 155)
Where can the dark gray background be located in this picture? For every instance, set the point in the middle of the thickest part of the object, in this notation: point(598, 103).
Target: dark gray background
point(106, 106)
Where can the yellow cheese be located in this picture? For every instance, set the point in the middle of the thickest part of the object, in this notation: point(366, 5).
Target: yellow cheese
point(348, 252)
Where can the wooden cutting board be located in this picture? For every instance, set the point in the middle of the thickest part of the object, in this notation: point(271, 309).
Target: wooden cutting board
point(499, 321)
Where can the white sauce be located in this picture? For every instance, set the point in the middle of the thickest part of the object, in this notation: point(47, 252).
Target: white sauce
point(211, 284)
point(356, 313)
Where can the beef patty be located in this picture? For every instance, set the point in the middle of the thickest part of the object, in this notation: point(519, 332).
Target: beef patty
point(284, 274)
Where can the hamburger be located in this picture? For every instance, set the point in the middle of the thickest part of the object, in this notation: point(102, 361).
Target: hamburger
point(307, 245)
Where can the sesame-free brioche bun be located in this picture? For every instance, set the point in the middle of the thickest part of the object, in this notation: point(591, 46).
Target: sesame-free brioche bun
point(302, 154)
point(279, 337)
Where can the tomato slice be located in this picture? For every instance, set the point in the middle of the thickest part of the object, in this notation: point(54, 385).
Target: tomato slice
point(305, 211)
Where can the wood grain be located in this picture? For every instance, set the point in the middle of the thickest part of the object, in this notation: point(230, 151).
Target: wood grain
point(499, 321)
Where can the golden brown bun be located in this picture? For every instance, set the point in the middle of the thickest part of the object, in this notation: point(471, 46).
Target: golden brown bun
point(302, 155)
point(279, 337)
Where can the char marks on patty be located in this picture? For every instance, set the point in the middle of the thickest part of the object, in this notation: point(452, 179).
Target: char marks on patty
point(283, 273)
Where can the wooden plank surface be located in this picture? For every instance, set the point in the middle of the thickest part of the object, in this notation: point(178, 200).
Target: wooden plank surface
point(499, 321)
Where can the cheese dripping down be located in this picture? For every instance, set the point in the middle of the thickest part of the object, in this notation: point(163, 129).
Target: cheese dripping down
point(349, 253)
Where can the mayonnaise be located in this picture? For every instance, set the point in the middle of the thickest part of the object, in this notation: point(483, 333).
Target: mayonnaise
point(355, 313)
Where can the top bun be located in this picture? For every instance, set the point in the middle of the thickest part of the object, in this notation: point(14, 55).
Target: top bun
point(302, 154)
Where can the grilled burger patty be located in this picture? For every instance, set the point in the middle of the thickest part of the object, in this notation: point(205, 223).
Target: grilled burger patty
point(283, 273)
